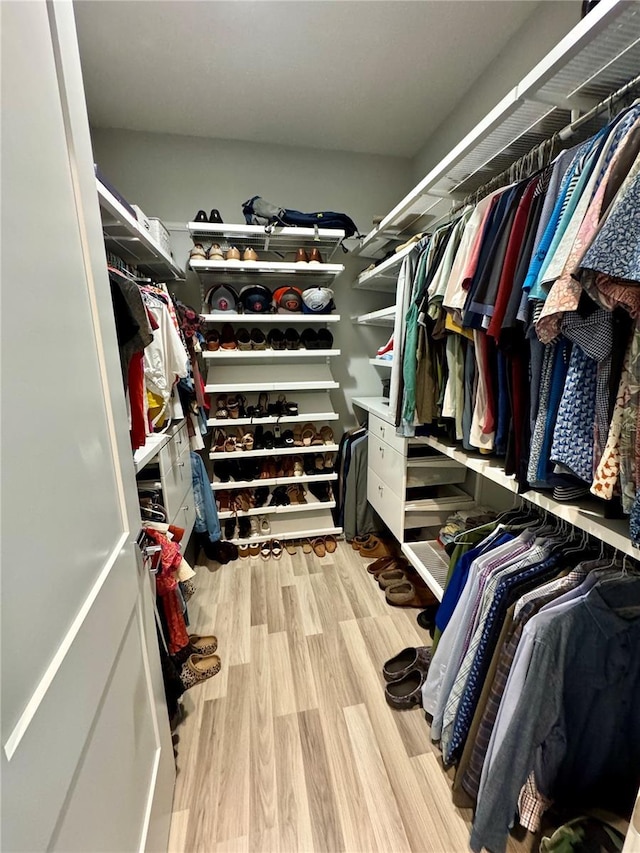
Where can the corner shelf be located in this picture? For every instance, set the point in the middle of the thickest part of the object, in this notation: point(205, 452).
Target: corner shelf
point(384, 277)
point(245, 376)
point(311, 417)
point(227, 387)
point(276, 239)
point(381, 362)
point(150, 449)
point(382, 317)
point(279, 319)
point(127, 238)
point(232, 485)
point(281, 532)
point(243, 355)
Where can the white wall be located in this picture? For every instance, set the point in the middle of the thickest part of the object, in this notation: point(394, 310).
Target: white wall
point(173, 176)
point(543, 30)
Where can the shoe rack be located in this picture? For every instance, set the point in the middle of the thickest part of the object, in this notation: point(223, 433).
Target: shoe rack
point(303, 375)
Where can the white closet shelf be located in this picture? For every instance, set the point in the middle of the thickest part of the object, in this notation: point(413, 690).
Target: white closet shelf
point(241, 272)
point(242, 387)
point(431, 562)
point(382, 317)
point(154, 443)
point(311, 417)
point(279, 319)
point(584, 515)
point(597, 57)
point(272, 481)
point(384, 276)
point(242, 355)
point(274, 451)
point(381, 362)
point(127, 238)
point(311, 505)
point(275, 239)
point(374, 405)
point(276, 533)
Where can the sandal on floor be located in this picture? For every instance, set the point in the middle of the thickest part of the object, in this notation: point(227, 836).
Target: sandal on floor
point(203, 644)
point(307, 546)
point(406, 692)
point(330, 543)
point(198, 668)
point(358, 541)
point(411, 658)
point(391, 577)
point(265, 550)
point(290, 546)
point(318, 547)
point(405, 594)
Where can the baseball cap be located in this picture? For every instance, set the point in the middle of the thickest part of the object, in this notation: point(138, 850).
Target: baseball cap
point(255, 299)
point(222, 298)
point(288, 300)
point(317, 300)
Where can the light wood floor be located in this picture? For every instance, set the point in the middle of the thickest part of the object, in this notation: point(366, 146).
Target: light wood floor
point(292, 747)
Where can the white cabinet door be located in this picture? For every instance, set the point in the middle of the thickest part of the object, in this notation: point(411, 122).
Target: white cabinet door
point(87, 762)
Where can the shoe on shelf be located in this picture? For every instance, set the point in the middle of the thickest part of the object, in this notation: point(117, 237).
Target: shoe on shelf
point(301, 257)
point(276, 339)
point(244, 527)
point(198, 668)
point(254, 527)
point(291, 339)
point(233, 254)
point(315, 257)
point(309, 339)
point(200, 216)
point(254, 549)
point(214, 216)
point(244, 339)
point(213, 341)
point(230, 528)
point(324, 339)
point(215, 253)
point(265, 525)
point(258, 340)
point(406, 692)
point(227, 337)
point(198, 253)
point(388, 347)
point(249, 254)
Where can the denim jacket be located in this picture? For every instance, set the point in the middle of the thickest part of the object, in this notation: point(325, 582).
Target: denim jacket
point(206, 512)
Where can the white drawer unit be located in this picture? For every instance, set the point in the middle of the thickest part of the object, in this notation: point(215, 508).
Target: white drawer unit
point(408, 484)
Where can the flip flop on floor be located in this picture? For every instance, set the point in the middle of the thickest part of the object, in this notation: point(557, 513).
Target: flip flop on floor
point(319, 548)
point(330, 543)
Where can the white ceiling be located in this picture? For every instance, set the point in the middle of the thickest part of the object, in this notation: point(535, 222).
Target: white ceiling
point(374, 76)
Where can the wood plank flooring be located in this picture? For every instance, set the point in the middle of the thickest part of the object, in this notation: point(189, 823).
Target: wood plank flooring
point(292, 748)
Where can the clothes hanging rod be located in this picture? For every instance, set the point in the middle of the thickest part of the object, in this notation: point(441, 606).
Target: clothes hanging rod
point(571, 128)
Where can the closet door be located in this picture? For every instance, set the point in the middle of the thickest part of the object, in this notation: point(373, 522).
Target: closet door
point(87, 762)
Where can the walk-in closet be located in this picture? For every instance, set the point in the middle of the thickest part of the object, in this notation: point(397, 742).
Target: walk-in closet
point(321, 426)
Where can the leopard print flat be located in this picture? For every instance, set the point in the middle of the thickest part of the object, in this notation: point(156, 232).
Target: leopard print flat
point(198, 668)
point(203, 644)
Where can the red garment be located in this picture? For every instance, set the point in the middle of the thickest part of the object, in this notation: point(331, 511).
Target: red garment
point(166, 587)
point(135, 381)
point(511, 258)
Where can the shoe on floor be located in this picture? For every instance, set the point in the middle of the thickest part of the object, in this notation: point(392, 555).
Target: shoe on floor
point(198, 668)
point(405, 594)
point(410, 658)
point(406, 692)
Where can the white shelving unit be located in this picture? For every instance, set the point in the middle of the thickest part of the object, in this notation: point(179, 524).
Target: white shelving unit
point(431, 563)
point(303, 371)
point(153, 445)
point(274, 451)
point(597, 57)
point(381, 362)
point(125, 237)
point(218, 485)
point(278, 272)
point(381, 317)
point(268, 354)
point(311, 505)
point(275, 319)
point(276, 240)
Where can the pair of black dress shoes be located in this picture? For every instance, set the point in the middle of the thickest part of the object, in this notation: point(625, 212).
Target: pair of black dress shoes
point(214, 216)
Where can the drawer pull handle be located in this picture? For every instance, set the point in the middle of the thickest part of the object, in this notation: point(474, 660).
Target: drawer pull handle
point(186, 509)
point(180, 464)
point(382, 452)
